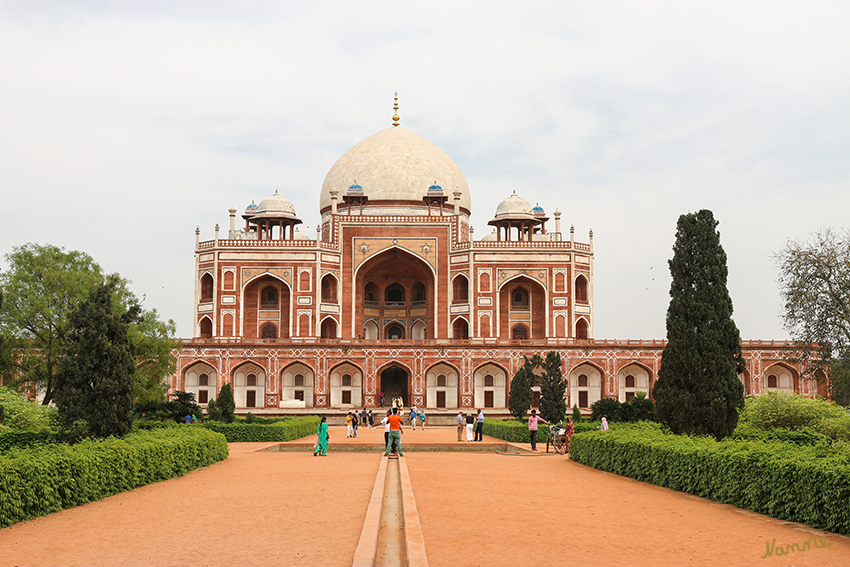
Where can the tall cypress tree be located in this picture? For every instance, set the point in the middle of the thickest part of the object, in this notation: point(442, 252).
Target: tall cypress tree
point(553, 407)
point(94, 381)
point(519, 400)
point(698, 390)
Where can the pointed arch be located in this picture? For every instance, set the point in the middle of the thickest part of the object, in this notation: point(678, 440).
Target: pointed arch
point(580, 286)
point(633, 377)
point(205, 327)
point(460, 328)
point(582, 329)
point(460, 289)
point(329, 328)
point(297, 379)
point(330, 288)
point(207, 287)
point(782, 377)
point(586, 383)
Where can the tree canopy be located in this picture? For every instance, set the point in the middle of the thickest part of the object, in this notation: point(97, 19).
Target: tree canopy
point(94, 379)
point(698, 390)
point(814, 280)
point(40, 289)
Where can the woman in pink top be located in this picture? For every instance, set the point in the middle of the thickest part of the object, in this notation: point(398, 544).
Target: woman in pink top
point(532, 428)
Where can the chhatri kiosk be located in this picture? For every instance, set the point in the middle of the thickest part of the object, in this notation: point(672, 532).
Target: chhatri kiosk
point(393, 295)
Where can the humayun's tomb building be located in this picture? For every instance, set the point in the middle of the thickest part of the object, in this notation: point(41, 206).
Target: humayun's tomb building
point(393, 295)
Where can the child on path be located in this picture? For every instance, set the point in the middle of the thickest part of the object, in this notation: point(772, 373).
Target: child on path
point(413, 418)
point(422, 418)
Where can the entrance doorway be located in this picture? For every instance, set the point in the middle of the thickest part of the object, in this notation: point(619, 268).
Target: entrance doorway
point(394, 384)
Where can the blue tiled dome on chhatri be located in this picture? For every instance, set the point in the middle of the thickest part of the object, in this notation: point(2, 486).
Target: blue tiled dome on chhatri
point(435, 189)
point(252, 208)
point(355, 189)
point(538, 211)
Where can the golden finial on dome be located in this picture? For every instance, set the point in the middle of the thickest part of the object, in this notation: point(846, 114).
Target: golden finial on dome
point(395, 107)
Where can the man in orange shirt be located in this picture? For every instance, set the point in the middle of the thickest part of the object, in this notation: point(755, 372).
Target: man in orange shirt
point(395, 422)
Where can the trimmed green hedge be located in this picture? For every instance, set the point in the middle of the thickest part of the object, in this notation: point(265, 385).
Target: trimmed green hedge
point(515, 431)
point(21, 439)
point(287, 430)
point(42, 480)
point(799, 483)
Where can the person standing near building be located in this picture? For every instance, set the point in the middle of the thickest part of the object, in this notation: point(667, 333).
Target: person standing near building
point(372, 421)
point(532, 428)
point(394, 422)
point(604, 425)
point(460, 425)
point(412, 417)
point(364, 417)
point(470, 424)
point(422, 418)
point(479, 426)
point(322, 445)
point(355, 422)
point(569, 429)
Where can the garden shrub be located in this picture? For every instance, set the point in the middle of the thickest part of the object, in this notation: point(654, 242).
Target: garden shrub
point(798, 483)
point(28, 438)
point(637, 408)
point(805, 436)
point(836, 428)
point(23, 414)
point(605, 407)
point(287, 430)
point(785, 409)
point(41, 480)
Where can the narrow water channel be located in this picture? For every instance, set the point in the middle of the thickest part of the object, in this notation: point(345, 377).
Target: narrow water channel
point(391, 538)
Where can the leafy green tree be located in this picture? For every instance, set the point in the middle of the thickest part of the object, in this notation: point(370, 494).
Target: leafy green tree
point(698, 390)
point(94, 379)
point(225, 404)
point(605, 407)
point(154, 347)
point(638, 408)
point(184, 404)
point(553, 407)
point(814, 280)
point(519, 399)
point(40, 289)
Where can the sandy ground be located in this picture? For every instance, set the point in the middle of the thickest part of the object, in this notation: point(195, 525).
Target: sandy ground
point(279, 508)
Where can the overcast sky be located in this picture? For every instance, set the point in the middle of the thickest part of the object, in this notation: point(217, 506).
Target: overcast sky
point(124, 125)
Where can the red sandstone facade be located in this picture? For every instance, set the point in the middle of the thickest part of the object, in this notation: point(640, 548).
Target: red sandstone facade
point(394, 296)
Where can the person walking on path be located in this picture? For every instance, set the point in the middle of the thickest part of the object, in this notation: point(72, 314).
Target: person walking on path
point(470, 424)
point(460, 425)
point(355, 422)
point(422, 418)
point(364, 417)
point(532, 428)
point(479, 426)
point(371, 420)
point(569, 429)
point(349, 430)
point(322, 446)
point(395, 423)
point(413, 418)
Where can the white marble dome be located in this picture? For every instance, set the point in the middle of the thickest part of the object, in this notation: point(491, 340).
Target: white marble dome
point(395, 165)
point(276, 206)
point(514, 207)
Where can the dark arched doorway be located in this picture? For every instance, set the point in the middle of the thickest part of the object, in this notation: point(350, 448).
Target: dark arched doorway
point(394, 384)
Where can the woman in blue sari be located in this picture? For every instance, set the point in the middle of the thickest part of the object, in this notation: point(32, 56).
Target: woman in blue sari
point(322, 446)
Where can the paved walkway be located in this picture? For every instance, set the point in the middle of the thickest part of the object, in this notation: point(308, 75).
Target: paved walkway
point(290, 508)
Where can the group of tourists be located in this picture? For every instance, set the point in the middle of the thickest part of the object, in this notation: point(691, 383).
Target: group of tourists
point(353, 421)
point(472, 424)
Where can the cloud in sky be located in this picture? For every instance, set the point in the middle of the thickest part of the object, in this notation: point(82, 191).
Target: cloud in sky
point(125, 125)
